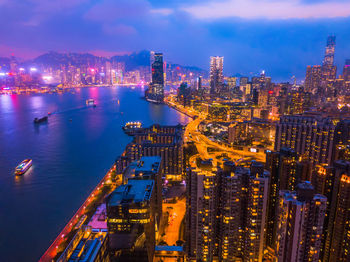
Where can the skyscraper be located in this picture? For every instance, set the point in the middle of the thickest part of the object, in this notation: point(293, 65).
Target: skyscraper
point(313, 78)
point(300, 224)
point(330, 50)
point(155, 92)
point(216, 74)
point(310, 135)
point(131, 221)
point(329, 70)
point(337, 185)
point(226, 213)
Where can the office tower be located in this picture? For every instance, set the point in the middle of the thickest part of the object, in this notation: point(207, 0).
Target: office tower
point(336, 183)
point(155, 92)
point(148, 168)
point(199, 83)
point(131, 221)
point(329, 70)
point(300, 224)
point(346, 70)
point(163, 141)
point(216, 74)
point(226, 213)
point(330, 50)
point(313, 78)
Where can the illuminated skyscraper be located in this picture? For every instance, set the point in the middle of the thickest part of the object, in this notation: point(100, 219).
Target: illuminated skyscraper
point(330, 50)
point(329, 70)
point(131, 221)
point(226, 213)
point(300, 224)
point(216, 73)
point(155, 92)
point(313, 78)
point(336, 184)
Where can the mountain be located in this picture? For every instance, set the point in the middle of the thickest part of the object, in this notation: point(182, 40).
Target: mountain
point(55, 59)
point(134, 60)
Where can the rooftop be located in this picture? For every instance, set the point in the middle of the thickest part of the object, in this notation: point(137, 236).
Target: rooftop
point(99, 219)
point(135, 191)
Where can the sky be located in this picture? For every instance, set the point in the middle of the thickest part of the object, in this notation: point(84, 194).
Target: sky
point(281, 37)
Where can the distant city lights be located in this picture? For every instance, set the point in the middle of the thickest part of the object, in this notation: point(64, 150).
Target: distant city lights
point(33, 69)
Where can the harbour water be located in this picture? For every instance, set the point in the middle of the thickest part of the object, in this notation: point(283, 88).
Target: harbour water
point(71, 153)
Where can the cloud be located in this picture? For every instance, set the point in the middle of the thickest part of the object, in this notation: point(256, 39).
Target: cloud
point(162, 11)
point(111, 10)
point(270, 9)
point(119, 29)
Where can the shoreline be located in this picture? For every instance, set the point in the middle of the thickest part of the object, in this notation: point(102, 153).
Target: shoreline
point(52, 251)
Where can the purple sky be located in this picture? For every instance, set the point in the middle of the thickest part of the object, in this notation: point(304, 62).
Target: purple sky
point(280, 36)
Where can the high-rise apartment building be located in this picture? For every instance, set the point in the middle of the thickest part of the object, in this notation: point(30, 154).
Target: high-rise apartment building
point(216, 74)
point(226, 213)
point(313, 78)
point(310, 135)
point(335, 183)
point(300, 224)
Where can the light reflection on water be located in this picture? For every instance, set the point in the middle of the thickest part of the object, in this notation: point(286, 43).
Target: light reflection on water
point(69, 158)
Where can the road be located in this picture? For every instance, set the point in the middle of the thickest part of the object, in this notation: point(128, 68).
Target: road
point(54, 249)
point(176, 214)
point(202, 143)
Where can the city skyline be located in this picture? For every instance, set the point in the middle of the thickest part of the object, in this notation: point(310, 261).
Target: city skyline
point(250, 41)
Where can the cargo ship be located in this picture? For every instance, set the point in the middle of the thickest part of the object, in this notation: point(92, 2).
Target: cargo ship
point(40, 120)
point(23, 167)
point(131, 127)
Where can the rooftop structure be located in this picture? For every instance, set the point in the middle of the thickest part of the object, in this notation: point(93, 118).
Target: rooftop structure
point(136, 191)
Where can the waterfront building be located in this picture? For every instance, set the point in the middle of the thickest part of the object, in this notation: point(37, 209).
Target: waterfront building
point(300, 217)
point(216, 74)
point(155, 92)
point(147, 168)
point(131, 221)
point(88, 245)
point(163, 141)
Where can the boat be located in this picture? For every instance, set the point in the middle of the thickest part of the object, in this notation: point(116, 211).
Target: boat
point(131, 127)
point(23, 167)
point(40, 120)
point(90, 102)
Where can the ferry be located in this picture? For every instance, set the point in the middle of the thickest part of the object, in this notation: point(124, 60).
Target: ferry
point(23, 167)
point(131, 127)
point(40, 120)
point(90, 102)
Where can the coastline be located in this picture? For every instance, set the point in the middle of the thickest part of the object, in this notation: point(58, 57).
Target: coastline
point(64, 237)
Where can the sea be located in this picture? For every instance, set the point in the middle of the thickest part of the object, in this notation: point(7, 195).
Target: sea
point(71, 153)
